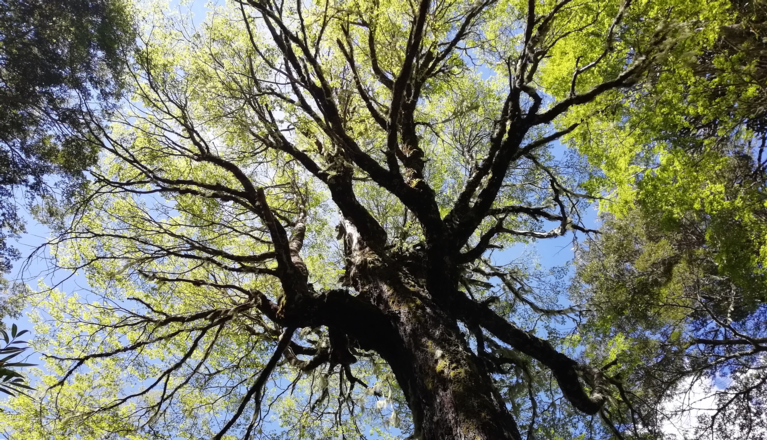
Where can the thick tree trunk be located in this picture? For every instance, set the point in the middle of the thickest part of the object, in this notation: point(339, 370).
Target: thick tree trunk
point(450, 393)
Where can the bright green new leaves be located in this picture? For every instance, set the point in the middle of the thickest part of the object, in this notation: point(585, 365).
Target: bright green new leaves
point(681, 266)
point(684, 152)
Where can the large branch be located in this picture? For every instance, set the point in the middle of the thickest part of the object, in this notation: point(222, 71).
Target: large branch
point(334, 129)
point(366, 98)
point(339, 183)
point(626, 78)
point(400, 84)
point(383, 78)
point(464, 218)
point(565, 370)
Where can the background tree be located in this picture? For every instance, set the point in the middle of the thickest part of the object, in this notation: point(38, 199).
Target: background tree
point(679, 273)
point(312, 194)
point(59, 59)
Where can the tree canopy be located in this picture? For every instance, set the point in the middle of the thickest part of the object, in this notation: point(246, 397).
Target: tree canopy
point(302, 220)
point(60, 60)
point(679, 272)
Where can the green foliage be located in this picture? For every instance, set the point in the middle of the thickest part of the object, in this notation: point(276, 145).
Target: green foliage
point(12, 382)
point(256, 173)
point(60, 61)
point(680, 268)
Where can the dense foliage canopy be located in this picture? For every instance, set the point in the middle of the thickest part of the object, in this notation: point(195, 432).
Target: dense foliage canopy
point(59, 64)
point(304, 223)
point(679, 272)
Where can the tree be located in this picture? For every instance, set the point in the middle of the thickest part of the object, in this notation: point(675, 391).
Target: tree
point(679, 272)
point(420, 136)
point(58, 60)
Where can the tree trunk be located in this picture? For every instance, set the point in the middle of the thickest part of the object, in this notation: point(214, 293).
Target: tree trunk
point(450, 392)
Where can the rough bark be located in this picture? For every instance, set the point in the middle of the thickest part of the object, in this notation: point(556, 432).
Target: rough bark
point(450, 393)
